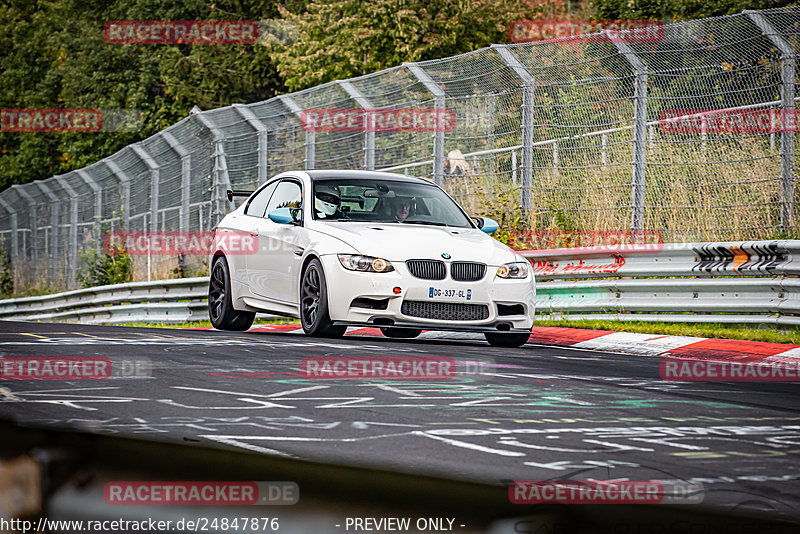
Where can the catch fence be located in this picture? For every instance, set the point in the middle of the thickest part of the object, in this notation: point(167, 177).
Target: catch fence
point(587, 133)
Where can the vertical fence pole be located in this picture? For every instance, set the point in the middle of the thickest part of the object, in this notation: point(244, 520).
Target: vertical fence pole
point(439, 104)
point(788, 68)
point(369, 132)
point(33, 208)
point(125, 184)
point(263, 140)
point(12, 213)
point(639, 134)
point(98, 207)
point(528, 86)
point(55, 208)
point(154, 183)
point(604, 149)
point(222, 180)
point(311, 138)
point(73, 225)
point(186, 180)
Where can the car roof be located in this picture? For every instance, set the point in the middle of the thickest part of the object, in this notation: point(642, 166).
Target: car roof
point(363, 175)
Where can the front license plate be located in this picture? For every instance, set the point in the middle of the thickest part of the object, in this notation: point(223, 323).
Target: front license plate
point(441, 293)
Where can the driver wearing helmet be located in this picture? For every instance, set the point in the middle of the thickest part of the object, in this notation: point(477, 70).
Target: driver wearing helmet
point(327, 201)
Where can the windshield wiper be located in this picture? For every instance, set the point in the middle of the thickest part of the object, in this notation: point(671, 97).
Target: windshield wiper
point(427, 223)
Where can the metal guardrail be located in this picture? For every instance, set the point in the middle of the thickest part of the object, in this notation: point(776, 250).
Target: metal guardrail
point(167, 301)
point(725, 282)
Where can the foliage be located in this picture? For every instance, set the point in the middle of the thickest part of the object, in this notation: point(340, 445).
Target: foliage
point(100, 268)
point(54, 55)
point(6, 276)
point(346, 38)
point(677, 9)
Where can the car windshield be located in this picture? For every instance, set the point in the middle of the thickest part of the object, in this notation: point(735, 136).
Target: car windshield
point(386, 201)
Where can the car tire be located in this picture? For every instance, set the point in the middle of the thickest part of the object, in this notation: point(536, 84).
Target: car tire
point(220, 306)
point(506, 340)
point(314, 314)
point(401, 333)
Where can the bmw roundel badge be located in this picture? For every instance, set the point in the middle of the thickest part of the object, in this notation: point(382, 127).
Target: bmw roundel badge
point(445, 255)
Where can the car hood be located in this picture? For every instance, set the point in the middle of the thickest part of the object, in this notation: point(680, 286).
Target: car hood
point(399, 242)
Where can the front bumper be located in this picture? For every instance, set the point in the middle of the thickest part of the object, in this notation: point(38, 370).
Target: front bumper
point(510, 303)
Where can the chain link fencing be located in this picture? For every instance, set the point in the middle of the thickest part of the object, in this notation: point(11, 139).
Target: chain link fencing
point(587, 133)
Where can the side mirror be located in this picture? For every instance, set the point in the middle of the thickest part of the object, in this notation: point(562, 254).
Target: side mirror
point(285, 215)
point(486, 225)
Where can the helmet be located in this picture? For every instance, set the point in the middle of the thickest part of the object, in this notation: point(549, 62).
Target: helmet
point(326, 199)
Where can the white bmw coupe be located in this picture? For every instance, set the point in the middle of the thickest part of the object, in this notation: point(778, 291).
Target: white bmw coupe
point(345, 248)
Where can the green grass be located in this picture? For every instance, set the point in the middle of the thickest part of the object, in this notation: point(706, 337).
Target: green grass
point(713, 330)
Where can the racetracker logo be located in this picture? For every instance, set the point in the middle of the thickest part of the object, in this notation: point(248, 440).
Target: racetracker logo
point(378, 120)
point(177, 243)
point(763, 121)
point(619, 31)
point(391, 368)
point(727, 370)
point(69, 120)
point(180, 32)
point(604, 492)
point(611, 241)
point(201, 493)
point(72, 368)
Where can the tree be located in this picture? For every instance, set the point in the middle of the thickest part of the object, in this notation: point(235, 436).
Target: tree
point(345, 38)
point(674, 10)
point(55, 56)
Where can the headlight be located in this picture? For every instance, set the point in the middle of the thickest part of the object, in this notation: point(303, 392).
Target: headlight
point(514, 270)
point(367, 264)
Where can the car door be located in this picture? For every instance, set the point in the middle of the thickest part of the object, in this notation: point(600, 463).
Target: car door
point(248, 221)
point(273, 271)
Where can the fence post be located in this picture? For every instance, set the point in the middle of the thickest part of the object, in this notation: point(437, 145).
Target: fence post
point(186, 178)
point(369, 132)
point(14, 231)
point(222, 180)
point(55, 212)
point(439, 104)
point(125, 183)
point(98, 207)
point(73, 224)
point(639, 133)
point(311, 137)
point(33, 208)
point(788, 68)
point(528, 86)
point(154, 182)
point(263, 140)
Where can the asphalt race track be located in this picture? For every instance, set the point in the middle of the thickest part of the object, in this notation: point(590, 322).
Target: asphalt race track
point(534, 413)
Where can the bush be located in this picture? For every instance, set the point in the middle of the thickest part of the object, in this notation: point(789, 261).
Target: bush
point(6, 276)
point(100, 268)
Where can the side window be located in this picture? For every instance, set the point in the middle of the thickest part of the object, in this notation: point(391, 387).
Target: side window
point(287, 195)
point(258, 205)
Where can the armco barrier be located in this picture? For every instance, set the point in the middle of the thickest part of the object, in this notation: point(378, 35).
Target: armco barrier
point(726, 282)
